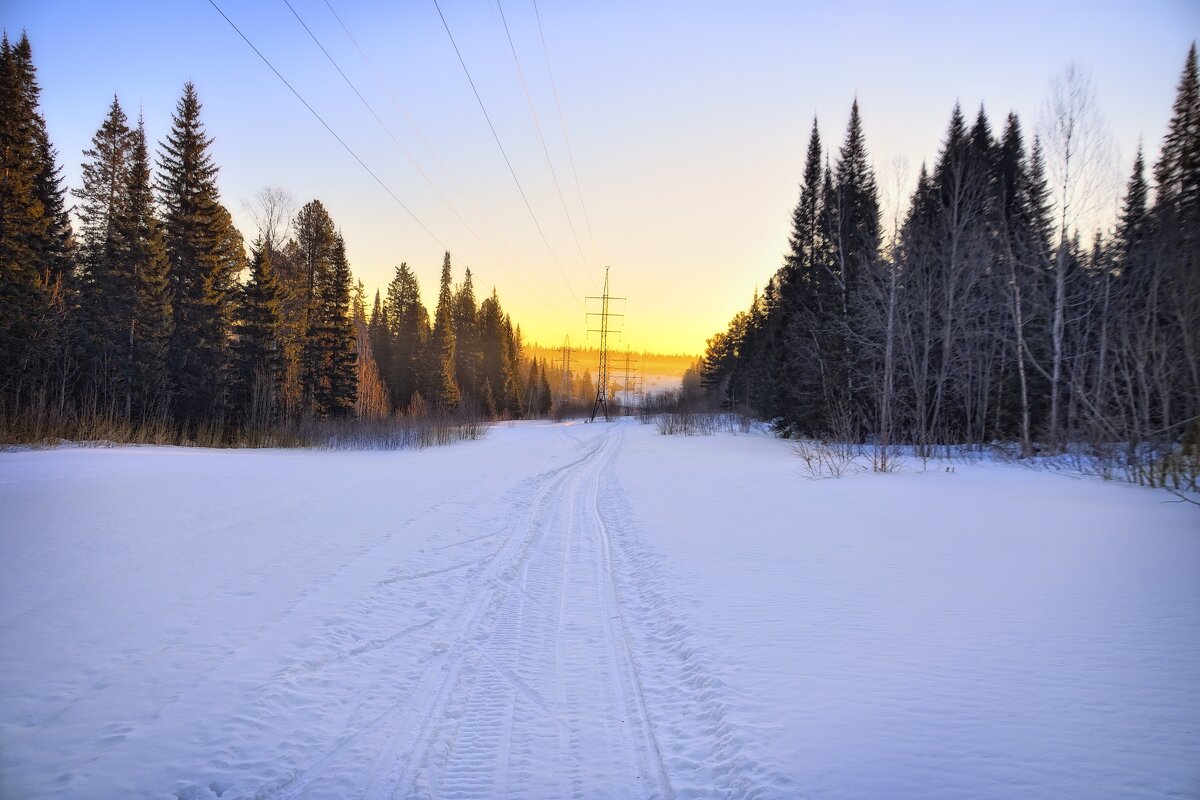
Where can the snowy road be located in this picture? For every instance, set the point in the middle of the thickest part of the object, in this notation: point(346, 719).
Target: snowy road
point(586, 611)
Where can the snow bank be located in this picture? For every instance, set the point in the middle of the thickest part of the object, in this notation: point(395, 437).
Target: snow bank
point(991, 632)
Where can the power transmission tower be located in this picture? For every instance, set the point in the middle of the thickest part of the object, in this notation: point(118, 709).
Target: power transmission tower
point(602, 378)
point(629, 387)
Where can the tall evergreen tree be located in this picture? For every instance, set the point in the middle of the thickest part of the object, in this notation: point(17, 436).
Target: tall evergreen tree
point(259, 365)
point(150, 327)
point(468, 356)
point(408, 322)
point(372, 400)
point(35, 239)
point(332, 339)
point(197, 240)
point(107, 289)
point(445, 388)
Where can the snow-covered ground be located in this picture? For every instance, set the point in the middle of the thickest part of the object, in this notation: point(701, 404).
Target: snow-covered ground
point(588, 611)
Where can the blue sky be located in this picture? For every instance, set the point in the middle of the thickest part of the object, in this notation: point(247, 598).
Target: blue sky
point(688, 121)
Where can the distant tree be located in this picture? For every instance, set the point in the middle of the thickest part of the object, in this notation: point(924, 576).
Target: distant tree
point(442, 351)
point(468, 352)
point(372, 401)
point(408, 323)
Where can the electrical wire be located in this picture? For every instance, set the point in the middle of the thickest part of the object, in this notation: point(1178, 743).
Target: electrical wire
point(537, 127)
point(404, 150)
point(332, 132)
point(511, 171)
point(563, 125)
point(417, 130)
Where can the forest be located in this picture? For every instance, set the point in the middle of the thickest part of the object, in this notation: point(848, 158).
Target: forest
point(147, 320)
point(985, 313)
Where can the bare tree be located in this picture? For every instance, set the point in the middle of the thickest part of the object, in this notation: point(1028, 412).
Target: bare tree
point(1079, 158)
point(272, 210)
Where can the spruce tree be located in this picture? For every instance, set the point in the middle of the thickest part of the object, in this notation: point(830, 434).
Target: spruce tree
point(107, 289)
point(197, 240)
point(408, 324)
point(332, 340)
point(467, 354)
point(258, 365)
point(35, 239)
point(372, 400)
point(150, 326)
point(124, 311)
point(1176, 216)
point(445, 387)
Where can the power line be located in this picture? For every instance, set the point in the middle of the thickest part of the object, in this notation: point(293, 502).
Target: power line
point(332, 132)
point(403, 149)
point(511, 171)
point(537, 127)
point(417, 130)
point(563, 125)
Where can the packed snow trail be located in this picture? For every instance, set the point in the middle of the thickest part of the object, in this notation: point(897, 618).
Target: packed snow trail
point(496, 661)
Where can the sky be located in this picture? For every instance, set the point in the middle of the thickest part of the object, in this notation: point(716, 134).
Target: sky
point(687, 123)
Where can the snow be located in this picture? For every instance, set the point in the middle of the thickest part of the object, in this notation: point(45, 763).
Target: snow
point(588, 611)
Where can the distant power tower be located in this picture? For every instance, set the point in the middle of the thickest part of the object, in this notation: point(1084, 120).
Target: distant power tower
point(602, 378)
point(564, 363)
point(629, 386)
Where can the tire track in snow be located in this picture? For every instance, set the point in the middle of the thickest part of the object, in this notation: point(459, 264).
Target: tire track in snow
point(398, 771)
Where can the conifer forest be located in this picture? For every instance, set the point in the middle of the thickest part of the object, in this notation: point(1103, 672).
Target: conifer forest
point(149, 317)
point(986, 313)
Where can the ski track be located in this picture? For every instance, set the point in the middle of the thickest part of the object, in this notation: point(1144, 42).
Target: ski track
point(532, 653)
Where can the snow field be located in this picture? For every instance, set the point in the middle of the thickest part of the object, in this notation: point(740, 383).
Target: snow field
point(588, 611)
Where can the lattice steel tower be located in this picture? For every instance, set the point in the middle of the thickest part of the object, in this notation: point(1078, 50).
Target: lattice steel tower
point(602, 379)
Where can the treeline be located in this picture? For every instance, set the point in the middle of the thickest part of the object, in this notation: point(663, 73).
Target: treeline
point(983, 315)
point(150, 316)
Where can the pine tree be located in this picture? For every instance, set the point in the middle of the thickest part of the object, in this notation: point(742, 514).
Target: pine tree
point(198, 243)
